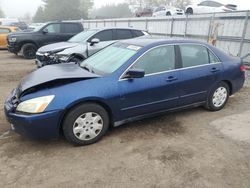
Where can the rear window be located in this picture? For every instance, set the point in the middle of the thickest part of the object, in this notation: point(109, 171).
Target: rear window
point(71, 28)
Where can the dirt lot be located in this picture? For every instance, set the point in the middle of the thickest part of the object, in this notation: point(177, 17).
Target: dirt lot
point(194, 148)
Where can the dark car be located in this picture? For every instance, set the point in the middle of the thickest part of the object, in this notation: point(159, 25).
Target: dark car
point(126, 81)
point(27, 42)
point(83, 45)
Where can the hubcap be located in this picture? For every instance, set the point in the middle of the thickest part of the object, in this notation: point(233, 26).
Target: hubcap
point(220, 97)
point(88, 126)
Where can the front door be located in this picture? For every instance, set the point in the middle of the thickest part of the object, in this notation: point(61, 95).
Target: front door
point(157, 90)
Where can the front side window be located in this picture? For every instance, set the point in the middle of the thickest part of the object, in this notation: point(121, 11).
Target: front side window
point(105, 35)
point(53, 28)
point(194, 55)
point(83, 36)
point(157, 60)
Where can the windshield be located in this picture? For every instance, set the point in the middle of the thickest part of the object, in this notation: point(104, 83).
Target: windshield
point(83, 36)
point(110, 59)
point(37, 28)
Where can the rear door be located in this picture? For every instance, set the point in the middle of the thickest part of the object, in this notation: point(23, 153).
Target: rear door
point(157, 90)
point(68, 30)
point(201, 69)
point(106, 38)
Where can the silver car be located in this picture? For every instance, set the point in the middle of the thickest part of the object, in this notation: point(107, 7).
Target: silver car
point(83, 45)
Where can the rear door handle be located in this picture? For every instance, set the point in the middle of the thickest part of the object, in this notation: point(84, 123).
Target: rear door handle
point(171, 79)
point(214, 69)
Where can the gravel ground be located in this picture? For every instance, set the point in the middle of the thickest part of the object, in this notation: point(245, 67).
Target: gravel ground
point(192, 148)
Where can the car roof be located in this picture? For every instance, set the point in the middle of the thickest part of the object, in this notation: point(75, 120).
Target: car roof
point(105, 28)
point(146, 41)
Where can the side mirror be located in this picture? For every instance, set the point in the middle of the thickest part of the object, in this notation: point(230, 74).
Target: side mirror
point(45, 31)
point(94, 41)
point(135, 73)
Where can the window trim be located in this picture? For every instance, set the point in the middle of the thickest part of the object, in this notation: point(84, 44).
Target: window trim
point(177, 63)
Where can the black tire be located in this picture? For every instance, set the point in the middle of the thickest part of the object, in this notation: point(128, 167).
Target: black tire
point(29, 51)
point(75, 59)
point(211, 105)
point(168, 13)
point(70, 123)
point(189, 11)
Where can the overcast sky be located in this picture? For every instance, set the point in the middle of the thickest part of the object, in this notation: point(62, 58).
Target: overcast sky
point(18, 8)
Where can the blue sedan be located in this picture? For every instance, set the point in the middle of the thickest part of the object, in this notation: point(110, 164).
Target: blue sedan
point(126, 81)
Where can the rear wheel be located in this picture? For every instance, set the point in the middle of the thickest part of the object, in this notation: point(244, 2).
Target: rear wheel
point(218, 97)
point(168, 13)
point(29, 51)
point(85, 124)
point(76, 59)
point(189, 11)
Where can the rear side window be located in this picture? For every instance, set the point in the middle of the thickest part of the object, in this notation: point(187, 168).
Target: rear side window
point(71, 28)
point(105, 35)
point(157, 60)
point(138, 33)
point(53, 28)
point(194, 55)
point(123, 34)
point(4, 30)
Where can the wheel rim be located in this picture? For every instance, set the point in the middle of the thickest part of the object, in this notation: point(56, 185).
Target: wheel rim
point(88, 126)
point(30, 53)
point(220, 97)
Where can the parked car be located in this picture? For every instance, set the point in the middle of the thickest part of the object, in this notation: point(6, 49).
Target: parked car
point(210, 7)
point(167, 11)
point(126, 81)
point(83, 45)
point(28, 42)
point(4, 31)
point(145, 12)
point(20, 25)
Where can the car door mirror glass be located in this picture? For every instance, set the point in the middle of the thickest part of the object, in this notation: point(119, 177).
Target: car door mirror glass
point(135, 73)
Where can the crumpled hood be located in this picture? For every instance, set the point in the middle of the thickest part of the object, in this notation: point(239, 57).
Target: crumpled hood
point(56, 47)
point(52, 73)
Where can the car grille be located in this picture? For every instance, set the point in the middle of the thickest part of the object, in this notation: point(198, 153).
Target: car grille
point(13, 100)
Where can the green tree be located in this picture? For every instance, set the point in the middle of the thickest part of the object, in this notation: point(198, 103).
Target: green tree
point(112, 11)
point(39, 16)
point(63, 10)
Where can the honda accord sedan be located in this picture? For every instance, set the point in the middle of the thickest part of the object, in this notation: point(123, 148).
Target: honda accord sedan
point(126, 81)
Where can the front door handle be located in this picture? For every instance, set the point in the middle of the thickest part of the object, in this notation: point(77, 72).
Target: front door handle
point(171, 79)
point(214, 69)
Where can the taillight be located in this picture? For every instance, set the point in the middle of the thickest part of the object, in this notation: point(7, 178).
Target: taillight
point(243, 68)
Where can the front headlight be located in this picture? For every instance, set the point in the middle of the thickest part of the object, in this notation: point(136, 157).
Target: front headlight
point(12, 39)
point(36, 105)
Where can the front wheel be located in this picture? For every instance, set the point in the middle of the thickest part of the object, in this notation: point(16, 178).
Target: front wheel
point(85, 124)
point(29, 51)
point(168, 13)
point(218, 97)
